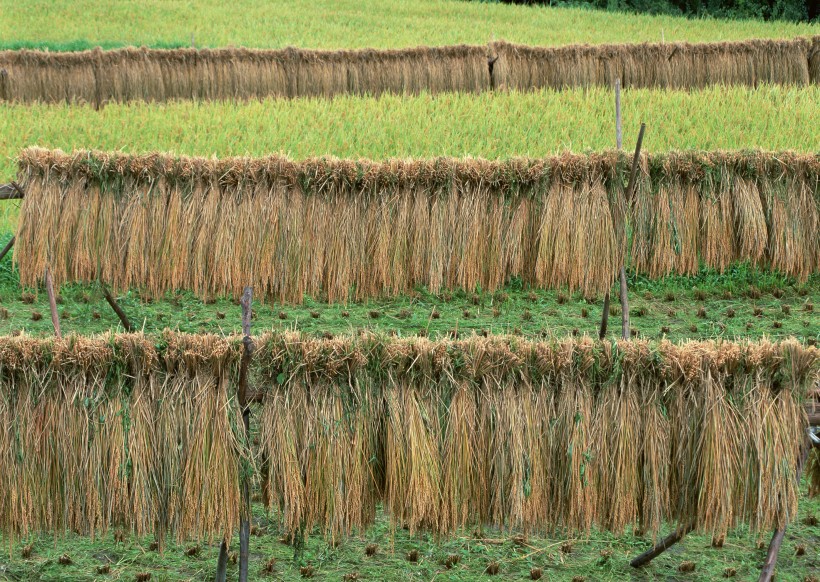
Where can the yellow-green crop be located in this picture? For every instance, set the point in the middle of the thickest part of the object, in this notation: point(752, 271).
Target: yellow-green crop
point(491, 125)
point(352, 23)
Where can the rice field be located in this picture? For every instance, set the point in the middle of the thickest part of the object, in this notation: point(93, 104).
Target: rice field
point(490, 125)
point(351, 24)
point(741, 302)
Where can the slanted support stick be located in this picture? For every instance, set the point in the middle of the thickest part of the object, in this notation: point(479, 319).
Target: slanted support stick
point(658, 549)
point(630, 189)
point(117, 309)
point(767, 572)
point(222, 563)
point(52, 303)
point(7, 248)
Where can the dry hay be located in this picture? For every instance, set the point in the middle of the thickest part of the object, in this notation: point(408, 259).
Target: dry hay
point(343, 229)
point(139, 433)
point(655, 65)
point(128, 74)
point(98, 76)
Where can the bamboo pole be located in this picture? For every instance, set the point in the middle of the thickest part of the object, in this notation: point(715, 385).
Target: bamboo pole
point(52, 303)
point(242, 394)
point(619, 144)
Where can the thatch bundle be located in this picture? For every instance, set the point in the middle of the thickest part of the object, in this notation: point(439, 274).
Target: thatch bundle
point(97, 76)
point(139, 432)
point(128, 74)
point(341, 229)
point(658, 65)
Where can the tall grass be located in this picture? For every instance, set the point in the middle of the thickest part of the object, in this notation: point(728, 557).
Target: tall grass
point(355, 23)
point(491, 125)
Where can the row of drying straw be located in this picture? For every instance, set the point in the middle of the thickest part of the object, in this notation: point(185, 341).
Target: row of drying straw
point(139, 433)
point(340, 229)
point(98, 76)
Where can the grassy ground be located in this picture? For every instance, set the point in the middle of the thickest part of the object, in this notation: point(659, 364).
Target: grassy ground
point(743, 302)
point(351, 23)
point(491, 125)
point(600, 556)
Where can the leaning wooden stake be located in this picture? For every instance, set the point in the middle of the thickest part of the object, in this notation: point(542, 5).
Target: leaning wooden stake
point(7, 248)
point(619, 143)
point(658, 549)
point(52, 303)
point(222, 563)
point(633, 175)
point(117, 309)
point(767, 572)
point(242, 394)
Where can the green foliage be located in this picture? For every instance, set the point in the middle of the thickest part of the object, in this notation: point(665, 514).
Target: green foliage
point(787, 10)
point(598, 556)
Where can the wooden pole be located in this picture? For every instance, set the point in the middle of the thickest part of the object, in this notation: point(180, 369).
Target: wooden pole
point(619, 143)
point(245, 507)
point(117, 309)
point(619, 137)
point(633, 175)
point(52, 302)
point(767, 572)
point(658, 549)
point(11, 191)
point(7, 248)
point(222, 563)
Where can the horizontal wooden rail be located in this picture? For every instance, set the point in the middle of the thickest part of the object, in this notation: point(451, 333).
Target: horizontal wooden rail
point(10, 191)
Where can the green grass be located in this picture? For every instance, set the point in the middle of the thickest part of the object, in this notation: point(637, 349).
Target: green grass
point(353, 23)
point(601, 556)
point(490, 125)
point(759, 302)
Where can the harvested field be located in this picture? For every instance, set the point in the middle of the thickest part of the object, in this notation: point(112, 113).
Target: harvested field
point(326, 227)
point(130, 74)
point(445, 434)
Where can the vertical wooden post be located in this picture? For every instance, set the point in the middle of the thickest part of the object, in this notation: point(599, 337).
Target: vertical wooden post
point(52, 303)
point(619, 144)
point(619, 137)
point(242, 395)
